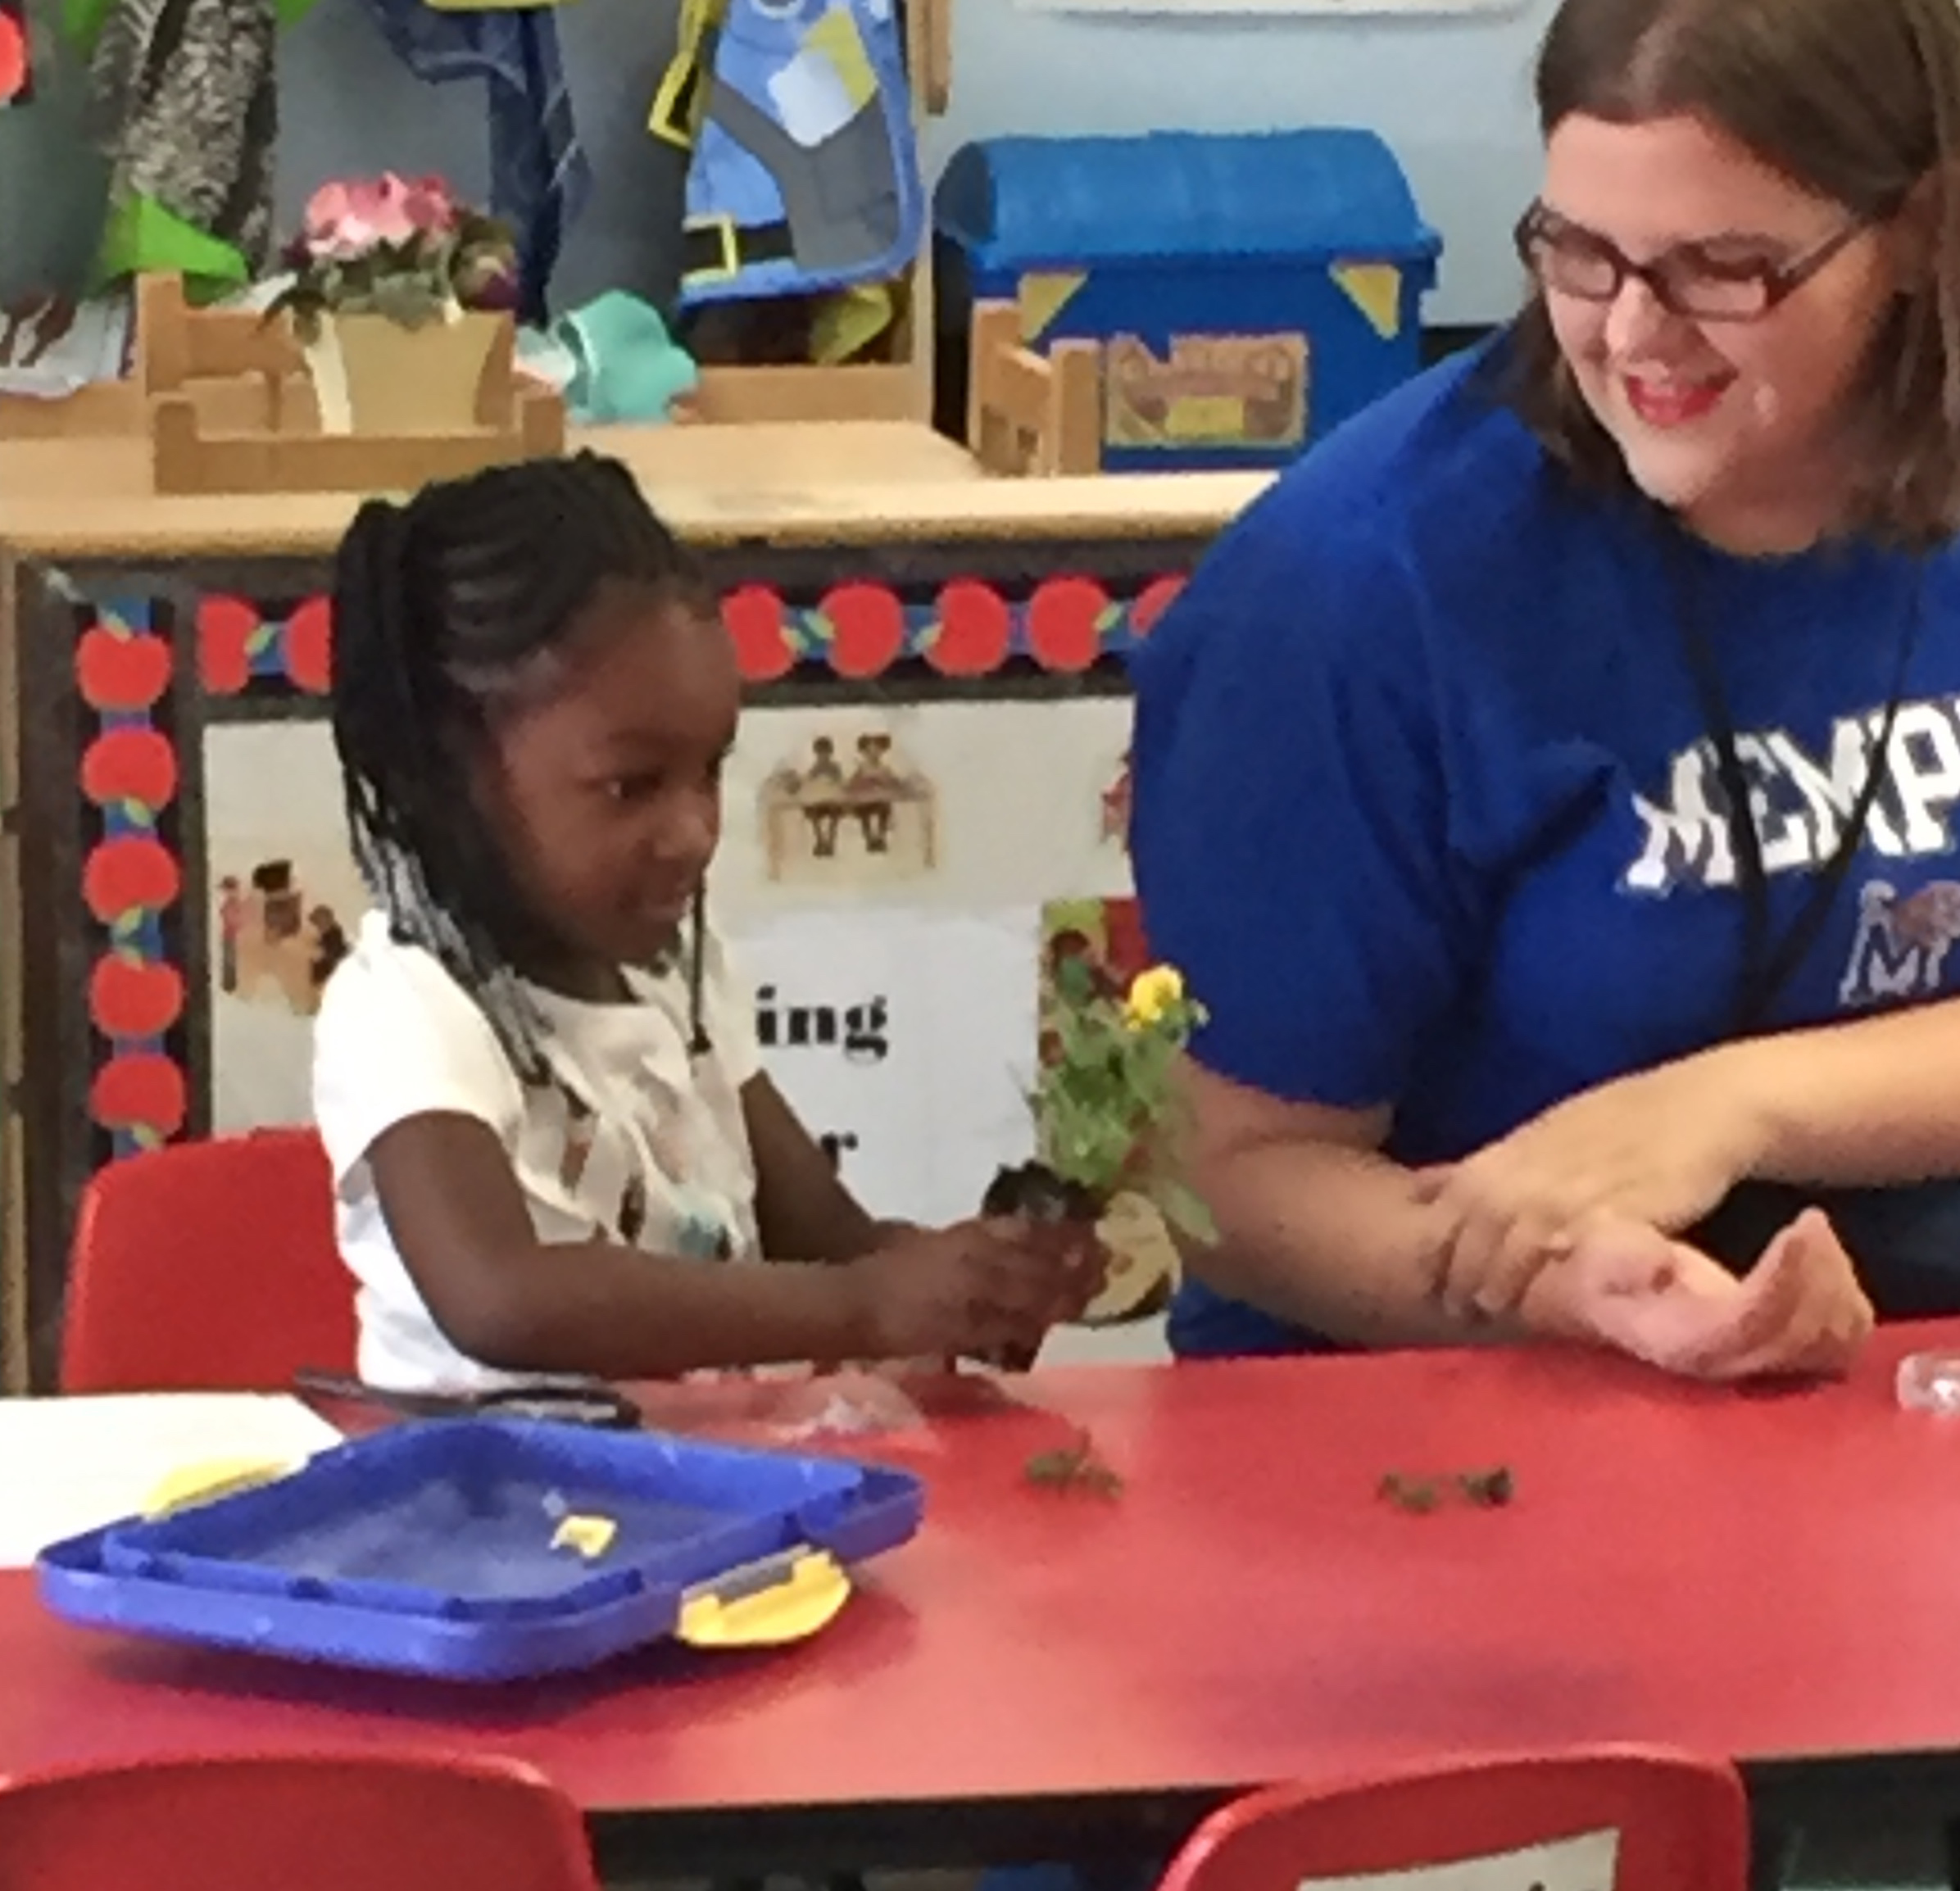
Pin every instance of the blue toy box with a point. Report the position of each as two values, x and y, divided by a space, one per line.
1248 292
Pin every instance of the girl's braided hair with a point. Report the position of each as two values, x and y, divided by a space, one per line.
444 608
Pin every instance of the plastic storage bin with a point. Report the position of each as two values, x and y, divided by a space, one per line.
429 1549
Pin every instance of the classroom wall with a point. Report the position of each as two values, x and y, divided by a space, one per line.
50 185
1451 95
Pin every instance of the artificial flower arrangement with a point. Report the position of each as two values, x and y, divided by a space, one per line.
404 248
1107 1121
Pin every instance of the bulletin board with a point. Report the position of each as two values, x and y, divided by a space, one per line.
927 800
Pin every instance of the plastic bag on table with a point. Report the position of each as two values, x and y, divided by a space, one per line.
858 1402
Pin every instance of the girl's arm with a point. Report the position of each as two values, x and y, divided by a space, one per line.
802 1206
459 1222
805 1209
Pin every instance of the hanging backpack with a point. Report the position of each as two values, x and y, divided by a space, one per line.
805 175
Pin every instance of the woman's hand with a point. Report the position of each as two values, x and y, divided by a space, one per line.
1799 1311
1660 1148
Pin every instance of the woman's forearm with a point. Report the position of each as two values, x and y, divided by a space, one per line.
1332 1238
1316 1227
1873 1101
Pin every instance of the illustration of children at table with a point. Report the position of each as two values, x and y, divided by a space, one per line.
820 793
874 820
274 946
231 923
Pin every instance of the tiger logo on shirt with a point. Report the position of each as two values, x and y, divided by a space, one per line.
1901 945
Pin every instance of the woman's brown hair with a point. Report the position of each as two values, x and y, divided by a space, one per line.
1858 101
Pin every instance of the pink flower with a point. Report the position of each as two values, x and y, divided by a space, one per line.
346 219
329 212
381 209
430 206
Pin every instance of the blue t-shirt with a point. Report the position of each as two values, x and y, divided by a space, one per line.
1426 806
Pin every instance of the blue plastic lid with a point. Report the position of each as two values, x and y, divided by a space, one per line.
1328 192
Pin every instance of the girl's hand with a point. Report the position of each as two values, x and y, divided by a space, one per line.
1077 1251
1799 1311
980 1289
1074 1252
1662 1148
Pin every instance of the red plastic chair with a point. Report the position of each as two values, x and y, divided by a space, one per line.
1682 1823
317 1822
208 1266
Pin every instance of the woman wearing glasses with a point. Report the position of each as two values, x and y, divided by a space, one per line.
1550 786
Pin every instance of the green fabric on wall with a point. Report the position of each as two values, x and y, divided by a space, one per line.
142 238
82 20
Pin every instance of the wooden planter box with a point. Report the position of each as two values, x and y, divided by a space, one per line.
196 447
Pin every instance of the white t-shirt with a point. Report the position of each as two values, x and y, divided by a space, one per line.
661 1163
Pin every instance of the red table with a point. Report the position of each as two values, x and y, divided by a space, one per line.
1774 1576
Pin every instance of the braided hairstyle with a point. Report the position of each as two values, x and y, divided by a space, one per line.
442 609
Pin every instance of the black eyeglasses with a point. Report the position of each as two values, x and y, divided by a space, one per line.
1693 279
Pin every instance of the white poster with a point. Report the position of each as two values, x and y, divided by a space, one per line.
906 1041
1586 1863
285 899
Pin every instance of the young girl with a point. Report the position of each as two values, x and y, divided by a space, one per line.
538 1082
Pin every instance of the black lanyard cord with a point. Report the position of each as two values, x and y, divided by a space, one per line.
1765 972
699 1043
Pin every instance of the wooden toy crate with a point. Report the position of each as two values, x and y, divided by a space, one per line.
180 347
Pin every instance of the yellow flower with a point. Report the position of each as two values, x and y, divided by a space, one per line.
1153 993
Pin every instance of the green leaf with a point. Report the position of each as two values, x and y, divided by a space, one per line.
1105 1097
1074 982
1186 1211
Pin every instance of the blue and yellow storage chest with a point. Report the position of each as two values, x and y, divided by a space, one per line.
1249 292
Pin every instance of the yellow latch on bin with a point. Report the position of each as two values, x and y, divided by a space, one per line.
782 1598
204 1482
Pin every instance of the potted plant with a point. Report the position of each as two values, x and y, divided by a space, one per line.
1107 1124
397 293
